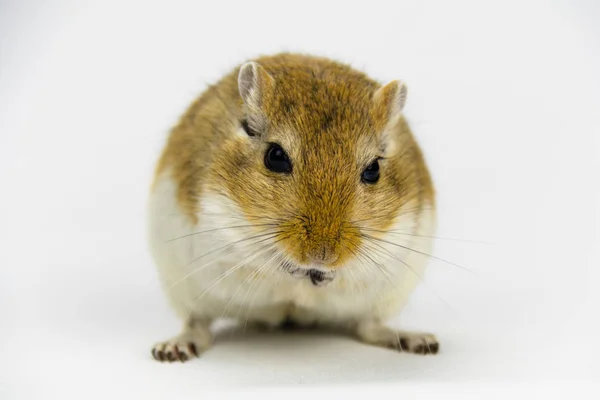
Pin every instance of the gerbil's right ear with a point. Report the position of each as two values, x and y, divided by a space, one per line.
255 85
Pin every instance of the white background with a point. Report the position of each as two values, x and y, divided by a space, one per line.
503 98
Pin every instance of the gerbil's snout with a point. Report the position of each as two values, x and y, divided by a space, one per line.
321 234
323 254
320 242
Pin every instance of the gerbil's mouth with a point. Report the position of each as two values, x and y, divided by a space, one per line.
318 275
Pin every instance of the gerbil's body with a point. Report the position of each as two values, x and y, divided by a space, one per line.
292 189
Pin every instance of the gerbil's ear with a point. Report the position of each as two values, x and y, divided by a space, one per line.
391 99
389 102
254 84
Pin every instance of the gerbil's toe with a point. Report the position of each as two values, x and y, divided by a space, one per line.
403 341
417 343
175 351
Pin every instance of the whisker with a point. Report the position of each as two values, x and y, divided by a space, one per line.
250 276
245 218
196 270
256 272
229 271
373 301
397 232
268 235
382 250
220 229
357 281
203 266
393 256
417 251
249 308
402 212
381 268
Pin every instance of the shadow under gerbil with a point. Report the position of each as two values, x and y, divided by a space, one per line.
252 332
295 355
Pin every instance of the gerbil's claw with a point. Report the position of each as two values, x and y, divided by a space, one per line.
416 343
189 344
403 341
170 351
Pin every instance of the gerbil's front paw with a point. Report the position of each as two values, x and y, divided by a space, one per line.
418 343
410 342
180 348
174 351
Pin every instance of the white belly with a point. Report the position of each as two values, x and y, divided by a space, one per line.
204 274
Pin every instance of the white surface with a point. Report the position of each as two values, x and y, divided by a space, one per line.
503 99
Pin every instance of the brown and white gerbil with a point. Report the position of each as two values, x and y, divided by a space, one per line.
292 189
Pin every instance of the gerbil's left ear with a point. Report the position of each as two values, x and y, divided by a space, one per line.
389 102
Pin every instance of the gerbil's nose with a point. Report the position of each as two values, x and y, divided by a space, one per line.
321 238
324 254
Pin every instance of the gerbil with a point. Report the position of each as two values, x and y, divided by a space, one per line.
292 189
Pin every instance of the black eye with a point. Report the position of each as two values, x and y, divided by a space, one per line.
249 131
276 160
371 173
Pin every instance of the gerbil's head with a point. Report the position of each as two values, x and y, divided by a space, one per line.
321 154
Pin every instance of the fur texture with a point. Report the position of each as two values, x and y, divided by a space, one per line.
232 238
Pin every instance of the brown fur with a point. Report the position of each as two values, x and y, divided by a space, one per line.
324 115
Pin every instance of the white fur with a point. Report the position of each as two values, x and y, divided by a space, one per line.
189 275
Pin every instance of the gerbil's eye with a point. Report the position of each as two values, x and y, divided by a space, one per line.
276 160
249 131
371 173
